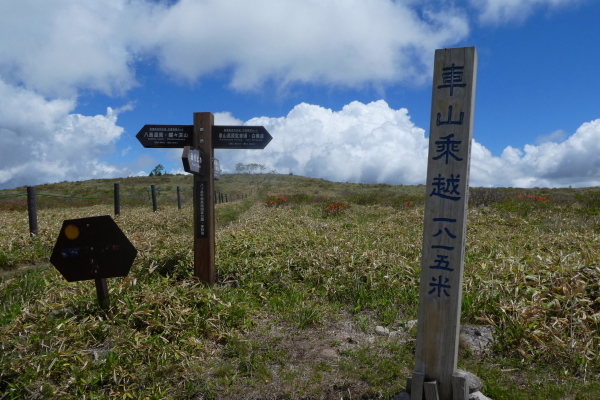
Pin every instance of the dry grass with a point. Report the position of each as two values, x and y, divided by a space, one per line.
299 296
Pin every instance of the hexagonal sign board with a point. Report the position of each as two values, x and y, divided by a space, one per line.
92 248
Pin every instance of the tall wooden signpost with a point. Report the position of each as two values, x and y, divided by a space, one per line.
204 201
199 141
444 228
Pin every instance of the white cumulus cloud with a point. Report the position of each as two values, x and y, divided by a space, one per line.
573 162
366 143
53 50
42 141
343 42
373 143
502 11
59 47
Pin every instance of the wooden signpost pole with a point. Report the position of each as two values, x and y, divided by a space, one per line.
445 225
199 141
204 217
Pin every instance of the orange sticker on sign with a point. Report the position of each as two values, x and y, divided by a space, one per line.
71 232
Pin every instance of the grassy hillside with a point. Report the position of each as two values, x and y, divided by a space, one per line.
307 269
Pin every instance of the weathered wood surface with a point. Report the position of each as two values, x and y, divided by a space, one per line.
154 200
460 387
445 216
32 210
416 386
117 199
204 217
102 293
431 390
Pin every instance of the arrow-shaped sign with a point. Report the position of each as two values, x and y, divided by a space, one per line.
240 137
166 136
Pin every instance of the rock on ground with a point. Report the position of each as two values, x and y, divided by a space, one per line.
472 396
401 396
478 339
475 384
380 330
478 396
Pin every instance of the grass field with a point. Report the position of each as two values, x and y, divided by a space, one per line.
307 269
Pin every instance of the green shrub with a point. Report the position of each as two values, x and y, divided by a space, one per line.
590 201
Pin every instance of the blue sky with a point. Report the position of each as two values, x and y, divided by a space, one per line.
344 86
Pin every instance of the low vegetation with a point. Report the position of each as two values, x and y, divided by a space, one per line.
306 270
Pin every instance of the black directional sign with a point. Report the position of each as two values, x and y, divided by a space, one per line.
192 161
92 248
240 137
166 136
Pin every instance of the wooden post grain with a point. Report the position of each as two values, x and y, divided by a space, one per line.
117 197
416 386
154 202
178 198
444 227
32 210
431 390
460 386
102 293
204 225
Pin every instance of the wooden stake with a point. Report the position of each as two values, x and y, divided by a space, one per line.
32 211
431 390
416 386
117 197
102 292
154 202
460 387
445 216
204 217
